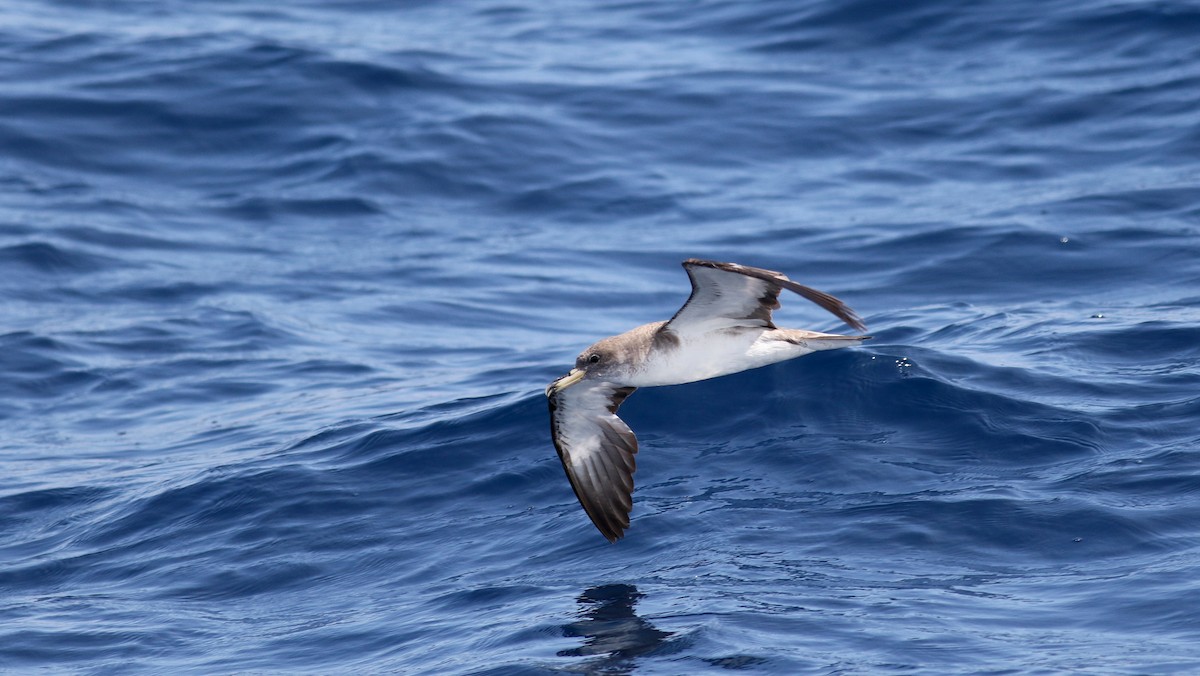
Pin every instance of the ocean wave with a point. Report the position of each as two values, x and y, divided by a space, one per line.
282 289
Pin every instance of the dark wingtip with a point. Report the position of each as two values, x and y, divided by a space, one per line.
828 302
857 324
611 530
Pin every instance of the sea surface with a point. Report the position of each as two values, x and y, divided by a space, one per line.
281 286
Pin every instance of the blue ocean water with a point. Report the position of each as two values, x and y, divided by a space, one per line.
281 287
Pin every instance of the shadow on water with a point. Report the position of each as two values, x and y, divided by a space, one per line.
613 631
615 636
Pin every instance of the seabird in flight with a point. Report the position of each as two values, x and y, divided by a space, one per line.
724 327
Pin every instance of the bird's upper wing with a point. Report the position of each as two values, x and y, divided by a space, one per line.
728 295
596 448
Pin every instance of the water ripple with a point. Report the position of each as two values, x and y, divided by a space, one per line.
281 288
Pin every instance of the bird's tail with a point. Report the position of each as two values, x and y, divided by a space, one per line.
814 340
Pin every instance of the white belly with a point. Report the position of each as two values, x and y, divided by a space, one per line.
719 353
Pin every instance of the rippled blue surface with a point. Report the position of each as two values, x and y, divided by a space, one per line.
280 288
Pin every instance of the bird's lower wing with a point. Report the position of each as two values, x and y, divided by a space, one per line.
597 451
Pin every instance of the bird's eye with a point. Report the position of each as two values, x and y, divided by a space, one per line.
594 358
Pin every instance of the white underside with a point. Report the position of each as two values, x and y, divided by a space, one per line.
723 352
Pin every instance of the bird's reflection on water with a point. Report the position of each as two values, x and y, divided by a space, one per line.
611 629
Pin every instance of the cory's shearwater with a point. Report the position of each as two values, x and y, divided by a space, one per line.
724 327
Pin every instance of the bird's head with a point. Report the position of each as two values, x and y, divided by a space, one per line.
596 362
